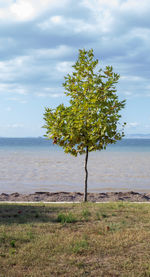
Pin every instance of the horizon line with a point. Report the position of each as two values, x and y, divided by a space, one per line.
138 135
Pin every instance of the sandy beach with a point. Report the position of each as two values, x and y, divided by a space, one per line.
130 196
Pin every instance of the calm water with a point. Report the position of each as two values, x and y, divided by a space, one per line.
34 164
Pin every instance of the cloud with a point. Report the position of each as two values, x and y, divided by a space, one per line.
26 10
55 92
132 124
59 52
16 99
127 93
23 10
132 6
67 24
125 12
51 95
132 78
12 89
39 42
64 67
15 126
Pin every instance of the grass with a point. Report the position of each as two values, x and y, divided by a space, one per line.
111 239
66 218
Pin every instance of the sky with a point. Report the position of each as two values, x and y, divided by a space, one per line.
39 43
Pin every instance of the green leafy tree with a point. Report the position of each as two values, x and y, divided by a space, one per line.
91 120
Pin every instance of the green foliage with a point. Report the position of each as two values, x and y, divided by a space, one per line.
86 213
104 215
91 120
66 218
80 246
12 243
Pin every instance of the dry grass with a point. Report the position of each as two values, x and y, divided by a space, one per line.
111 239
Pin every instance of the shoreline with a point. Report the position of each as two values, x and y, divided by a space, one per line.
63 196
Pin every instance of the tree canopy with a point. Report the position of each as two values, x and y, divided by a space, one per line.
91 119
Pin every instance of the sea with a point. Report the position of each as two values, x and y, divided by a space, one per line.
28 165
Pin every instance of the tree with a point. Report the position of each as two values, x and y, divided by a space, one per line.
91 120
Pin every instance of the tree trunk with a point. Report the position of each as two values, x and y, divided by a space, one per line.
86 175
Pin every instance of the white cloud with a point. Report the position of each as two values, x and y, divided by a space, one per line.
100 5
140 32
53 53
111 15
16 99
132 125
64 67
132 78
135 6
57 95
22 71
12 89
12 68
15 126
25 10
118 5
54 92
103 13
57 19
67 24
45 95
127 93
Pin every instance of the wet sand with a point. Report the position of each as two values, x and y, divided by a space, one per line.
40 196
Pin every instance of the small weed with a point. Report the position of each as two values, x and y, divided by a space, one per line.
98 217
79 246
86 213
114 227
113 214
3 237
100 233
121 205
66 218
12 251
30 235
104 215
12 243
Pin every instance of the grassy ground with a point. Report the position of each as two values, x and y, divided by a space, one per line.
111 239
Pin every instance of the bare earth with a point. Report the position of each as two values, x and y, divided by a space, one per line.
76 197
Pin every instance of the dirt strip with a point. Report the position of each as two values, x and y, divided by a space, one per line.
62 196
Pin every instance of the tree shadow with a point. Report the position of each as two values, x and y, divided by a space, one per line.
24 213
